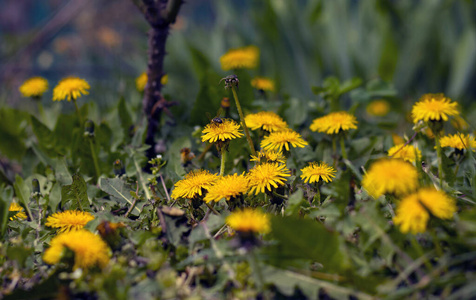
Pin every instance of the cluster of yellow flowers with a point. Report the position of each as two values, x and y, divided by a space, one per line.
69 88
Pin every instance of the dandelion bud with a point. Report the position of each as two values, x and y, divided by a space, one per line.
36 187
89 128
118 168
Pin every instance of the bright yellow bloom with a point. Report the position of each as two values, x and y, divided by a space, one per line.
195 183
89 249
263 83
407 152
335 122
69 220
70 88
224 131
240 58
412 212
266 120
378 108
230 186
434 107
141 81
397 140
459 141
34 87
393 176
318 171
249 220
20 212
279 139
267 176
269 156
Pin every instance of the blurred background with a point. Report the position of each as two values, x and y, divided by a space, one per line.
417 46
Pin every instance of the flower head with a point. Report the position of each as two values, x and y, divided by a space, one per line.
240 58
390 176
89 249
378 108
317 171
230 186
405 152
434 107
267 120
269 156
414 210
69 220
195 183
224 131
249 220
279 139
141 81
267 176
459 141
34 87
334 123
20 211
70 88
263 83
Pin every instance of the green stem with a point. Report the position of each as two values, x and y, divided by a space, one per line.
317 197
334 150
436 241
243 124
211 208
342 147
280 196
141 179
80 118
440 158
421 253
95 158
223 160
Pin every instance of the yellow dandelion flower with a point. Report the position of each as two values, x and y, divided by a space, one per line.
279 139
335 122
459 123
240 58
267 176
20 215
230 186
141 81
318 171
393 176
269 156
195 183
266 120
434 107
263 83
378 108
405 152
459 141
69 220
70 88
89 249
34 87
249 220
224 131
413 211
397 140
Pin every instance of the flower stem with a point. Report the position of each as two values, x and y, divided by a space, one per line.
317 198
420 251
243 124
342 147
223 161
440 158
95 158
80 118
334 150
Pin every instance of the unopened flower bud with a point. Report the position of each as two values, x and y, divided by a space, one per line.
89 128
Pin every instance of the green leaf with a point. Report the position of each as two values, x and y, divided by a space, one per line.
54 197
6 197
61 171
12 129
76 194
45 136
124 116
295 202
117 188
22 191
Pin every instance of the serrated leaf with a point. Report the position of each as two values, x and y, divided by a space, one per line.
117 188
76 194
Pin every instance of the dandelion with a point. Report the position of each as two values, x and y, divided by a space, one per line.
195 183
230 186
20 215
89 249
141 81
405 152
316 172
70 88
266 120
269 156
414 210
334 123
34 87
69 220
393 176
279 139
397 140
263 83
378 108
459 141
266 176
225 131
240 58
434 107
249 221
